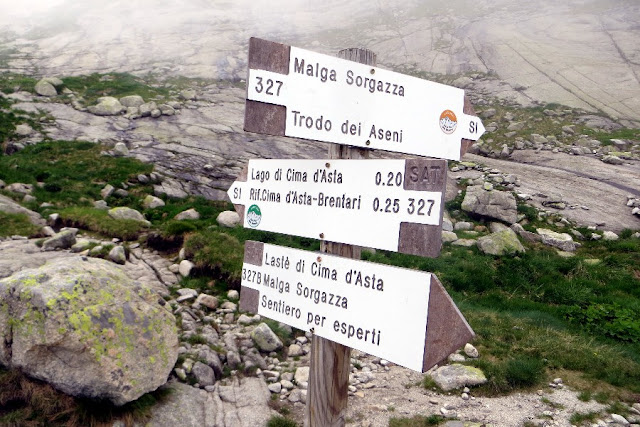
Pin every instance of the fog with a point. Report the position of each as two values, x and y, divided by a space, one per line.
583 53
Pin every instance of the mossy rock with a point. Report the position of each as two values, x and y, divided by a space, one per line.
85 327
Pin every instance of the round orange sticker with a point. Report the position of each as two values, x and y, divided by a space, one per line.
448 122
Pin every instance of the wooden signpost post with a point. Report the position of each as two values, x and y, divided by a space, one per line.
390 204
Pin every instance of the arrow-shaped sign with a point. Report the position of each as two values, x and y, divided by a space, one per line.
335 100
342 300
395 205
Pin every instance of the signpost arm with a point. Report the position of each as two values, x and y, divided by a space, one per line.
330 362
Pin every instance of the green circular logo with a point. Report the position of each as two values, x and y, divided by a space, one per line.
254 216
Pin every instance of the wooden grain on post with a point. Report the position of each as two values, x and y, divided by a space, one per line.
330 362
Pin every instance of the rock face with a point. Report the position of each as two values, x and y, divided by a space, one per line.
455 376
86 328
493 204
500 243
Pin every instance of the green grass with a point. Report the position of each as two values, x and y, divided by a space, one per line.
416 421
16 224
93 86
72 173
584 418
280 421
100 222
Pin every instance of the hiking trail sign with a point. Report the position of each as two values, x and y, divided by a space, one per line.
299 93
395 205
402 315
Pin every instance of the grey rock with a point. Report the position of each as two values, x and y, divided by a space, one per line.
493 204
81 354
152 202
265 338
7 205
188 95
107 191
146 109
81 245
253 358
515 126
143 179
118 255
464 242
295 350
619 419
48 231
188 214
609 235
208 301
233 294
471 351
228 219
500 243
63 240
455 376
203 374
155 113
120 150
185 268
462 226
121 192
233 359
301 375
23 130
45 88
107 106
20 188
166 110
275 388
132 101
101 205
449 236
127 214
562 241
612 160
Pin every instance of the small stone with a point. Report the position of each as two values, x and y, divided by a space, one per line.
295 350
301 375
464 396
609 235
180 373
228 305
557 380
233 294
188 214
185 268
462 226
204 374
152 202
470 351
275 388
265 338
245 320
120 150
118 255
228 219
208 301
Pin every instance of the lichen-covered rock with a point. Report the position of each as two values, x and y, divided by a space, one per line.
495 204
265 338
127 213
118 255
500 243
455 376
85 327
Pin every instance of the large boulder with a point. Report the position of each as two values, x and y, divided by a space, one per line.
46 87
494 204
85 327
107 106
500 243
7 205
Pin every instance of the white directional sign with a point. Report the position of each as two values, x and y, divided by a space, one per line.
335 100
381 310
387 204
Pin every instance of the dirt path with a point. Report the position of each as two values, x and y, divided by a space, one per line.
581 180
